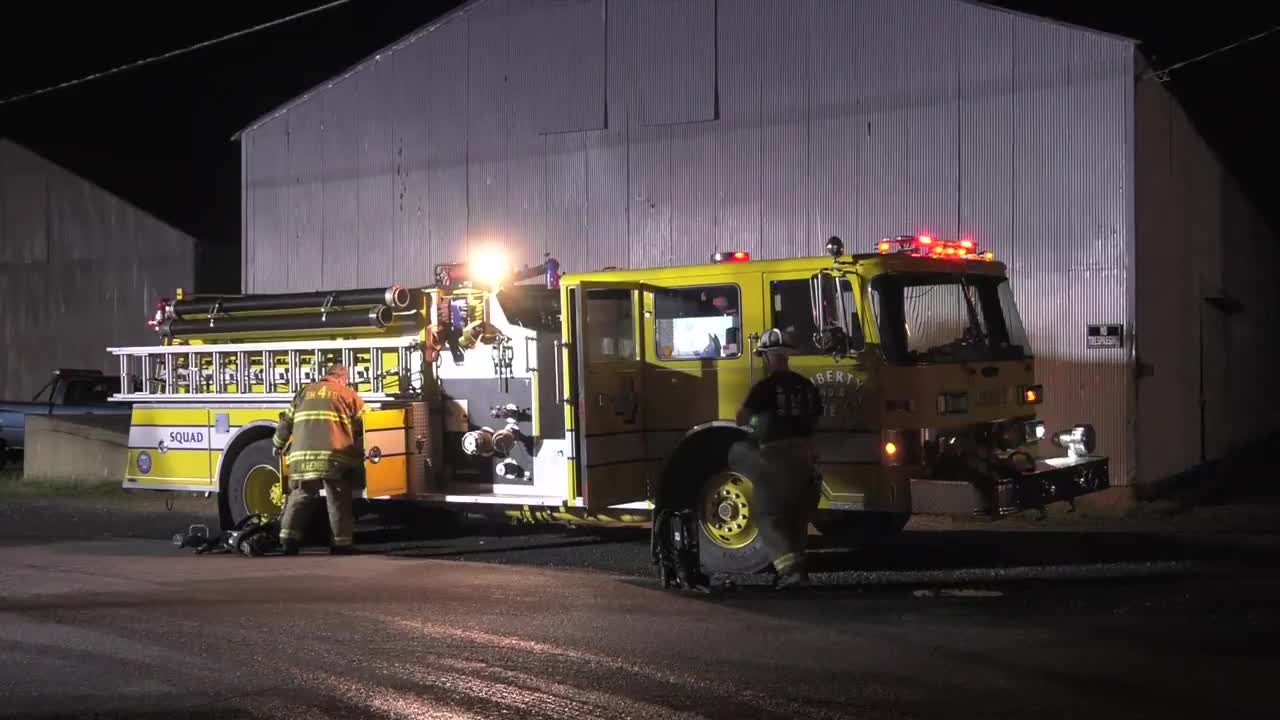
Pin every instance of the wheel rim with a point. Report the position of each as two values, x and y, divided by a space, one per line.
262 492
726 511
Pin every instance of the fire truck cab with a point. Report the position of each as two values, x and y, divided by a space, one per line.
604 396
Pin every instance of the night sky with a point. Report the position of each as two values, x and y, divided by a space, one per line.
160 136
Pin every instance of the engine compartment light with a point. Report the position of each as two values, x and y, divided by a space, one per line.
1031 395
1079 440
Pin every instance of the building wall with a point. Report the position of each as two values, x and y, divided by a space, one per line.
80 270
652 132
1198 237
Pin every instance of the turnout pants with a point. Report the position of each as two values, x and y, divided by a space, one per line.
338 484
785 488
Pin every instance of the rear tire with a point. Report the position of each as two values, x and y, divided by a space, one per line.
860 528
252 485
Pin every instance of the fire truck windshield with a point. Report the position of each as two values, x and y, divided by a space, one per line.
927 318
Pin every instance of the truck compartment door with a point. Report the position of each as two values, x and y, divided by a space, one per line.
606 414
386 444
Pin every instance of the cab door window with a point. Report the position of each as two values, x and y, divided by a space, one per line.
793 312
698 322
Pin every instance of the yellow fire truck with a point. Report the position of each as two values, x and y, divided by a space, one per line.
610 396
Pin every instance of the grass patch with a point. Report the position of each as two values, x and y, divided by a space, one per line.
14 485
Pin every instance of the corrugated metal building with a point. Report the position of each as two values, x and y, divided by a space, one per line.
652 132
80 270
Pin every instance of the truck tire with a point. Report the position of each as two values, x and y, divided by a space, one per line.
728 540
252 485
860 528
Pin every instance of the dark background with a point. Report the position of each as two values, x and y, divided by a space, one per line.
160 136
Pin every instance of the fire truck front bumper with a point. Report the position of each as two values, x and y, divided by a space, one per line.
1053 480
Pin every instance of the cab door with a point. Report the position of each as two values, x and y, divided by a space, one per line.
604 411
848 435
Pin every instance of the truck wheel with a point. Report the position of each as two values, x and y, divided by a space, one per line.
729 541
254 483
860 528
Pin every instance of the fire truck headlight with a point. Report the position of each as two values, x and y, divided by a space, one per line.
488 268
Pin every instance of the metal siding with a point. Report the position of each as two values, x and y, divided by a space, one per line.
524 234
608 208
102 266
784 96
411 198
341 196
1042 147
739 146
674 62
833 178
566 183
487 150
608 205
693 191
1097 112
375 261
306 194
881 32
448 139
569 68
23 199
933 117
986 122
268 170
650 200
1168 406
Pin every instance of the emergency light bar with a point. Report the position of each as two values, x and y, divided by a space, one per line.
731 256
929 246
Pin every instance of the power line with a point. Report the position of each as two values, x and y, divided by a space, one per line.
171 54
1163 75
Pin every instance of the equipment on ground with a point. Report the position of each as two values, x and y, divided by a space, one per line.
253 536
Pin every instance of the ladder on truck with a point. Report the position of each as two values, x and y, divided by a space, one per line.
380 369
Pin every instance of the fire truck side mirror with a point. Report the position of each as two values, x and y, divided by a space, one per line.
834 329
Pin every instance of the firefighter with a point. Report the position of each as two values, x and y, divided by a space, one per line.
320 421
782 410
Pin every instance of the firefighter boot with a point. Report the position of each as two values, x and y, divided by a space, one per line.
791 571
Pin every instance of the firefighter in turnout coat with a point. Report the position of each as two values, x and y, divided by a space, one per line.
782 410
320 423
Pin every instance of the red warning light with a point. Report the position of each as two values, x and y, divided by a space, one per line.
925 240
966 244
732 256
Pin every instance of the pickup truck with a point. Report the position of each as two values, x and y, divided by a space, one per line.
70 392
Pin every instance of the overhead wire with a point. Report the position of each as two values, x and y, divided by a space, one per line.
171 54
1163 74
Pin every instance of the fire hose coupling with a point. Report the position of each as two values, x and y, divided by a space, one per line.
1079 441
486 442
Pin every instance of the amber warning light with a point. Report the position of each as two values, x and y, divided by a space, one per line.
929 246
